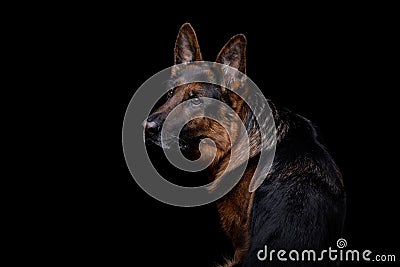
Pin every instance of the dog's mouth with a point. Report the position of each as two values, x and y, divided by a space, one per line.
157 141
167 143
189 148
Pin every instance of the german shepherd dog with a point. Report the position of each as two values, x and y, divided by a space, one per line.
300 204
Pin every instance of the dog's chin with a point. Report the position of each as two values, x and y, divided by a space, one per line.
157 142
164 145
183 146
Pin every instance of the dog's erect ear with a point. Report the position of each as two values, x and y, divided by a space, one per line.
186 47
233 53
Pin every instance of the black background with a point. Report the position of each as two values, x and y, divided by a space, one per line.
334 68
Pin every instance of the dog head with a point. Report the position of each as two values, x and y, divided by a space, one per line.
187 50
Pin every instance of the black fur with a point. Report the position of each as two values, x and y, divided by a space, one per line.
301 204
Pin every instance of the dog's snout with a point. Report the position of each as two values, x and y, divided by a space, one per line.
150 125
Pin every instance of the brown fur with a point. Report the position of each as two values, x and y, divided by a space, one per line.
234 210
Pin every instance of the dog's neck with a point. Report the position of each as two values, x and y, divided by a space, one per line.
256 141
235 207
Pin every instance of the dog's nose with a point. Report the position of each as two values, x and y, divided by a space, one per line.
150 126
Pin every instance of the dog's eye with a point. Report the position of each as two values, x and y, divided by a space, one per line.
170 93
196 101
